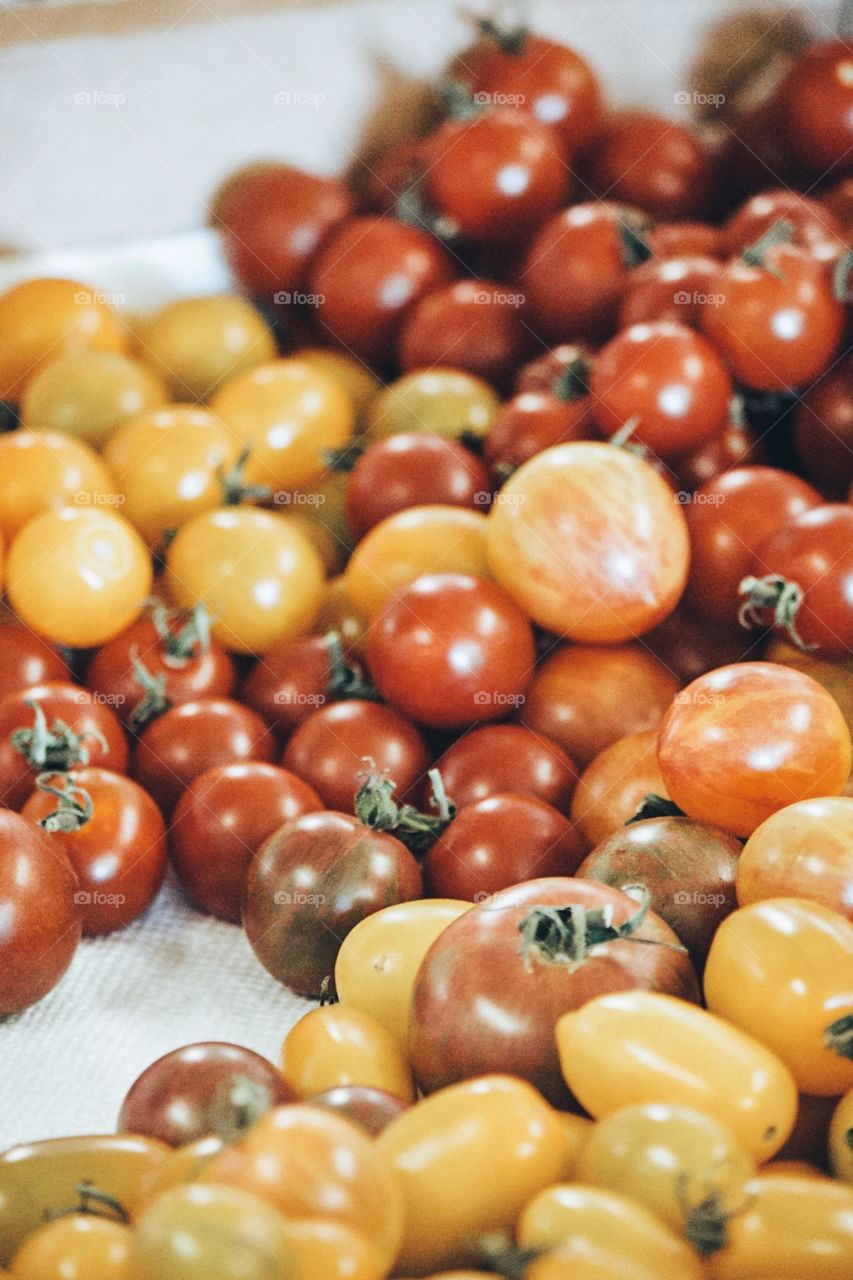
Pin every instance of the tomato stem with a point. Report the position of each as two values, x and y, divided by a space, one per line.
345 681
755 255
456 99
841 277
777 595
237 1105
506 1259
572 382
57 747
154 700
376 807
655 806
838 1036
180 644
633 242
74 808
706 1223
506 26
234 488
344 458
565 935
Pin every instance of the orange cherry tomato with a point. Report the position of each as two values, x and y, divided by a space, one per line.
336 1045
89 394
198 343
802 851
41 470
77 1247
612 788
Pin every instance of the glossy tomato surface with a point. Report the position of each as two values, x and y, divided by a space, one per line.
507 757
803 851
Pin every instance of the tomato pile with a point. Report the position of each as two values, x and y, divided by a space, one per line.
465 611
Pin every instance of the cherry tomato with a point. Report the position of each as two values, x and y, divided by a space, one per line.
841 1138
565 1263
420 540
258 575
290 682
77 1247
468 1159
532 421
612 788
801 581
41 917
507 757
222 819
54 726
813 225
688 867
666 378
498 842
836 676
677 1161
668 289
542 77
777 968
173 649
628 555
307 1163
585 698
803 851
197 343
329 751
563 371
189 739
41 470
168 466
688 647
371 271
735 446
310 883
494 983
318 1247
746 740
440 402
814 108
273 220
684 239
27 660
450 649
409 470
78 575
777 324
89 394
577 268
728 519
640 1046
359 383
474 325
118 851
823 430
201 1089
650 162
43 319
334 1046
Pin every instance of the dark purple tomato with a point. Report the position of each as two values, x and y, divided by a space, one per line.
373 1109
507 757
532 421
651 162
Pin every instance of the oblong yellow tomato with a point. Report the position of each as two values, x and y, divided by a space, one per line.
39 1179
78 575
258 575
44 318
308 1163
76 1247
577 1130
168 466
41 470
359 383
379 959
589 540
841 1139
783 970
183 1164
790 1229
419 540
90 393
802 851
288 416
338 1045
468 1159
320 1248
675 1160
566 1263
641 1046
196 343
443 402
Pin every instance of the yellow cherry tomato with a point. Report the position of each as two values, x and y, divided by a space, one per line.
77 1247
789 1229
325 500
577 1131
419 540
353 377
78 575
338 613
198 343
258 574
288 416
336 1045
329 1250
442 402
42 319
309 1162
674 1160
641 1046
565 1263
90 393
42 470
183 1164
591 1218
783 970
785 1168
40 1179
379 959
841 1138
168 466
331 553
468 1158
802 851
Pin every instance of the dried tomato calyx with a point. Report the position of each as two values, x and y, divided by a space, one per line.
376 807
775 595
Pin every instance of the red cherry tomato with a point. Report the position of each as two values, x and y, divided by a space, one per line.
41 920
688 647
65 726
331 749
684 240
666 378
737 445
563 371
670 289
187 740
373 1109
823 430
27 660
498 842
386 176
451 649
411 469
118 852
274 220
814 226
473 325
651 162
371 272
507 757
532 421
290 682
815 108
